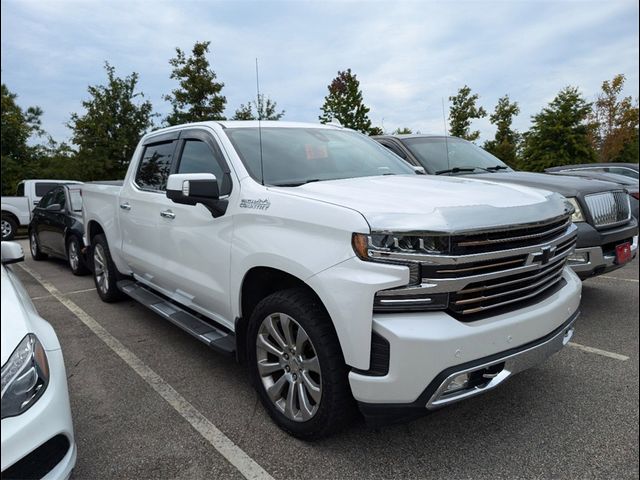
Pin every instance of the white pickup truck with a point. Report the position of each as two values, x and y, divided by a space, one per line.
333 270
16 211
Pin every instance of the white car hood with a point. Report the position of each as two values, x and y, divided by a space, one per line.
15 321
442 204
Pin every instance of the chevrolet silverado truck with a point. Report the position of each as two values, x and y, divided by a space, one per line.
607 231
16 210
340 277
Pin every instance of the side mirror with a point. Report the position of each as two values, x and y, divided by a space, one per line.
419 170
11 253
194 188
54 207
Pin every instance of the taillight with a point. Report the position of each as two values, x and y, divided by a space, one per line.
635 195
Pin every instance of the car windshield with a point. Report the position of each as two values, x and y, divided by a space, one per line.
439 154
294 156
75 195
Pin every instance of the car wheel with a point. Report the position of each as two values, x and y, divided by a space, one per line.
74 257
105 273
9 227
297 366
34 247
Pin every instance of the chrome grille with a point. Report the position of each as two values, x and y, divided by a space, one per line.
609 208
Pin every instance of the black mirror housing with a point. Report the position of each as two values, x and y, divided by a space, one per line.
194 188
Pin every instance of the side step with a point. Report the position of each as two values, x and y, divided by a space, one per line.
216 338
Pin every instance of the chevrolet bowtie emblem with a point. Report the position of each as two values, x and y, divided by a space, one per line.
546 254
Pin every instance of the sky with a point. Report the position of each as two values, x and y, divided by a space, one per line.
409 56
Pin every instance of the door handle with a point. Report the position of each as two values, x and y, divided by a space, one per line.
125 206
168 214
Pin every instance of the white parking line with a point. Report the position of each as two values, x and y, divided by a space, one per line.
597 351
68 293
248 467
633 280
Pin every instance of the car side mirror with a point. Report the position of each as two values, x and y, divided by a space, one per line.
11 253
54 207
194 188
419 170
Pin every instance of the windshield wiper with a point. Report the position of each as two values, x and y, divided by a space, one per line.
496 168
296 184
455 170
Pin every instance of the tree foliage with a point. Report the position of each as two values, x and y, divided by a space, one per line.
261 109
462 111
615 123
198 97
115 118
402 131
505 143
344 103
17 127
559 134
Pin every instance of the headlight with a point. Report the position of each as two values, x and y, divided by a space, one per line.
25 377
396 249
577 213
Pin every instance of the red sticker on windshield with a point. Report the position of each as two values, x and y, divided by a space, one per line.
315 151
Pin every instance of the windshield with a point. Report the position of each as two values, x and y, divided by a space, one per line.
294 156
431 152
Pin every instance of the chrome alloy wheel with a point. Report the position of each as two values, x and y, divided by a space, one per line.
74 256
288 367
6 228
101 271
33 244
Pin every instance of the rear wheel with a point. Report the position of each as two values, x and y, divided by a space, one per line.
9 227
105 273
74 257
34 247
297 366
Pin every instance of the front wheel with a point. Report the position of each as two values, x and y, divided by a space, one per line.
74 257
105 273
297 366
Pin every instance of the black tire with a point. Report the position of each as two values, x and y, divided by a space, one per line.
336 407
9 227
108 272
34 247
75 257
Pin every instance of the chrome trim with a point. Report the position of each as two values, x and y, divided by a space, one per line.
515 239
513 364
607 208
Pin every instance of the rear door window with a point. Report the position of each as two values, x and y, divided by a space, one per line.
154 167
43 187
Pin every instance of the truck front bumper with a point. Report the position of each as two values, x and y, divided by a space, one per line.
432 355
595 251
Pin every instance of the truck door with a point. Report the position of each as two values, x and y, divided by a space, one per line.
139 207
195 246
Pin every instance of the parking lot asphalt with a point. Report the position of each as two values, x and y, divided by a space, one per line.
575 416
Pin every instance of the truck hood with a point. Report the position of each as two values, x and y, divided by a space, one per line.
564 185
440 204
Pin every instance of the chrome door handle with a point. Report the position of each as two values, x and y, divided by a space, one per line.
167 214
125 206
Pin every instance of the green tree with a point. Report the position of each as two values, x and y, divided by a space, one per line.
506 140
376 131
261 109
462 111
402 131
17 127
615 123
198 97
344 103
106 134
560 133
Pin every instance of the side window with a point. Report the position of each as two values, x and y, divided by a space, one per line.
59 197
20 190
198 157
47 199
154 166
394 149
43 188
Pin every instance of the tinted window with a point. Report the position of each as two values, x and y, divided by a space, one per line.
394 149
59 197
47 199
154 166
75 196
292 156
197 157
43 188
20 190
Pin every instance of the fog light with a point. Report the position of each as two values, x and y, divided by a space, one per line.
458 383
579 257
